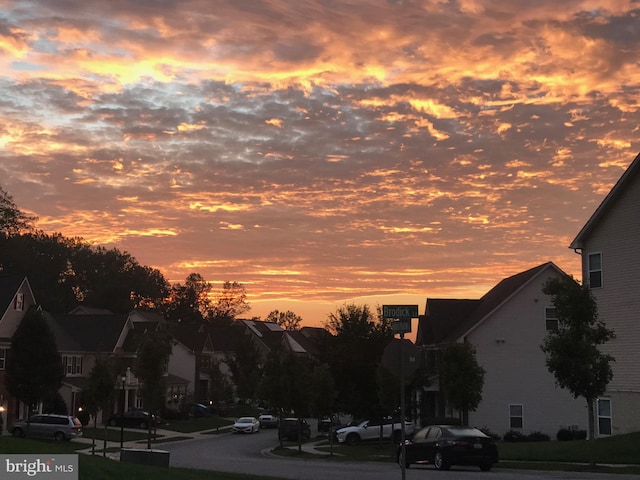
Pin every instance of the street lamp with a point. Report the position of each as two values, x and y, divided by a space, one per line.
124 379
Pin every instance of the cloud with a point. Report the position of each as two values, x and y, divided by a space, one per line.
320 154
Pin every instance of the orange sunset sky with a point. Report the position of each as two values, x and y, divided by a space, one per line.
321 152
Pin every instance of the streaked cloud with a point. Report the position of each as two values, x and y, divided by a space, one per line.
317 152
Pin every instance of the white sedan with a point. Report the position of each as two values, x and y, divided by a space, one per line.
246 425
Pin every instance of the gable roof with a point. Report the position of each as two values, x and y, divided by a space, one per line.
450 320
9 285
442 316
86 333
622 184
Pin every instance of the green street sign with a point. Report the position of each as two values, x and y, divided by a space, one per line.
400 311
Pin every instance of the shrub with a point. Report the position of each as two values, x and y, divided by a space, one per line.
538 437
514 436
564 435
567 434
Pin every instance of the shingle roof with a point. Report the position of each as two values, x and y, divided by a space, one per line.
191 335
9 285
449 320
86 333
621 185
442 316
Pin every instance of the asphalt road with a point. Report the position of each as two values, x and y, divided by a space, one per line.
249 454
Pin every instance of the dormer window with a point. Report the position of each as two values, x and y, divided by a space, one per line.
18 301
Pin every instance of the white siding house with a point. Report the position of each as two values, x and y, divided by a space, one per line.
609 244
506 327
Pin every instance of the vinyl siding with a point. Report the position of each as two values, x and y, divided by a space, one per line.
617 237
508 348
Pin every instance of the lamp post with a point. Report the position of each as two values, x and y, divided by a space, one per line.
124 379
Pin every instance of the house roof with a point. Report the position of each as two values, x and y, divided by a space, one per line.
448 320
9 285
136 333
442 316
86 333
225 338
622 184
191 335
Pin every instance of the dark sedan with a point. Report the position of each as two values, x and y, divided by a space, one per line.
445 445
132 418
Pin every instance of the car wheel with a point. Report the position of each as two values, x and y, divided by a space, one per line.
485 467
17 432
59 437
113 423
143 425
439 462
353 439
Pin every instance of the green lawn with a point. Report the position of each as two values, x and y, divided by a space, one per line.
617 451
99 468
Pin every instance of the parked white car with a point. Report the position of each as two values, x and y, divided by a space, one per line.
370 430
268 420
246 425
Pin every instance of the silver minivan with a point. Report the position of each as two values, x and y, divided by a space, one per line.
55 427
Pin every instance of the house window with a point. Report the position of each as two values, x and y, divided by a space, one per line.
3 358
516 416
604 416
551 319
18 301
595 270
72 364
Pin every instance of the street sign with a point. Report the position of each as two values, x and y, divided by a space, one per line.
400 311
402 325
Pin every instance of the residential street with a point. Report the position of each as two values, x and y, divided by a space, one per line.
249 454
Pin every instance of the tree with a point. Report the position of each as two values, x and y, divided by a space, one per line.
461 378
572 351
323 391
287 320
246 368
189 303
220 388
99 393
12 220
153 355
353 354
65 272
229 303
34 369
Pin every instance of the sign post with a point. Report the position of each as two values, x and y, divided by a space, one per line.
401 315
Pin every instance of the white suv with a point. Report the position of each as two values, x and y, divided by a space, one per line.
56 427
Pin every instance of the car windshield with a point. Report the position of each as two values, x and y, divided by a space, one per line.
244 420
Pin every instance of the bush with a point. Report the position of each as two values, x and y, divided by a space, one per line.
538 437
566 434
514 436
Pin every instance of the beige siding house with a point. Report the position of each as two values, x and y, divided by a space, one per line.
506 326
609 245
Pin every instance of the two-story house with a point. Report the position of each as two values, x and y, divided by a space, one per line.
608 244
506 326
16 297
